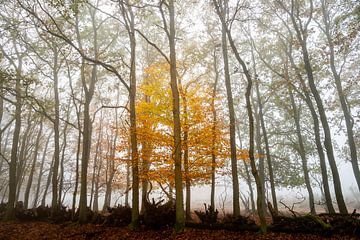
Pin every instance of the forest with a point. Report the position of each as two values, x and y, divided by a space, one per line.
181 119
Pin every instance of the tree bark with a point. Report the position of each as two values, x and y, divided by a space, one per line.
260 197
54 201
31 174
179 206
10 210
345 107
302 38
302 152
234 173
214 124
41 173
48 182
316 128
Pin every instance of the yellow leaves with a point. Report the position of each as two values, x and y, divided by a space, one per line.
243 154
206 138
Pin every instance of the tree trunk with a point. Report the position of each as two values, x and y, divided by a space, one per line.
302 152
96 167
259 149
234 173
22 159
87 130
10 210
318 143
48 182
129 19
301 37
267 149
127 189
179 205
41 173
186 161
213 141
345 107
259 186
54 202
61 174
31 174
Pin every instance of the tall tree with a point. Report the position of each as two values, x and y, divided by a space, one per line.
261 208
129 19
222 8
301 29
345 107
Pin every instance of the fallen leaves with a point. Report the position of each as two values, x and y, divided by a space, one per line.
44 230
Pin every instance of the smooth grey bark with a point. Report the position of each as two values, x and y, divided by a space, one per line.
146 152
22 160
213 129
186 159
230 103
129 19
345 106
10 210
316 127
48 182
260 152
61 173
87 127
94 194
267 148
261 208
301 36
127 189
56 122
302 152
179 205
32 170
110 170
247 172
41 173
97 180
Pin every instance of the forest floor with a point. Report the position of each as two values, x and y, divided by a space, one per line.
45 230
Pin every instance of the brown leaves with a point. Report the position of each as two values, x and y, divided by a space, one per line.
43 230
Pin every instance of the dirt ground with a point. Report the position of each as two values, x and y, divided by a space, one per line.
43 230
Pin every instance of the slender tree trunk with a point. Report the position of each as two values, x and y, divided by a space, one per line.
179 205
127 189
326 128
302 38
22 162
267 149
186 161
10 210
31 174
54 201
37 192
77 170
48 182
214 134
247 172
96 161
259 149
87 130
234 173
97 181
318 143
129 19
345 107
302 152
61 174
259 186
